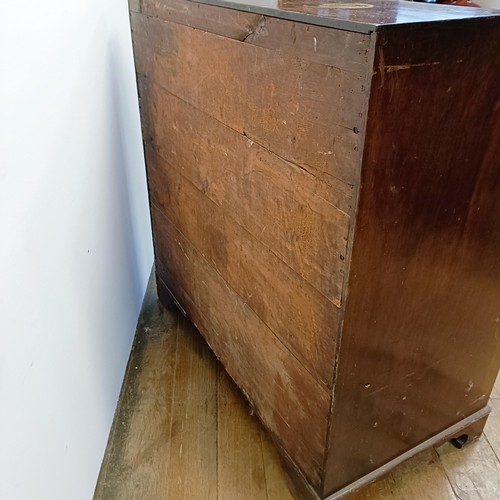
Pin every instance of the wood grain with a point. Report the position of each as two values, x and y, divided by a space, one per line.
295 312
288 399
169 372
345 50
255 131
225 22
289 210
138 449
193 441
166 424
421 477
341 49
169 123
277 485
250 89
239 477
423 303
137 456
474 472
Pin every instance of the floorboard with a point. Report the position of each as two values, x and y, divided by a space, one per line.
182 430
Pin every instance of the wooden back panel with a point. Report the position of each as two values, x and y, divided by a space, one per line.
252 134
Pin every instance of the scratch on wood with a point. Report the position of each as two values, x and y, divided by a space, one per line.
399 67
380 389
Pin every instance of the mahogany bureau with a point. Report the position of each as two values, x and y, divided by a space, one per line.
324 182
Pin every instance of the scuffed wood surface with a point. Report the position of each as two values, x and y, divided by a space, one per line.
291 403
277 485
153 443
474 473
225 22
340 49
258 128
421 477
182 430
307 113
170 124
191 441
420 347
286 208
295 312
250 237
244 475
139 450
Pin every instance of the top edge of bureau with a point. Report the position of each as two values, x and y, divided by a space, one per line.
362 17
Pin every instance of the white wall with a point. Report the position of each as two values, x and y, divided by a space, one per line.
488 4
75 249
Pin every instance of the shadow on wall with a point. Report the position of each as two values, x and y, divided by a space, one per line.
129 165
110 227
488 4
76 246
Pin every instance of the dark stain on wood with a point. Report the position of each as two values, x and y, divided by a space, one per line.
303 111
285 395
420 346
285 302
289 210
357 330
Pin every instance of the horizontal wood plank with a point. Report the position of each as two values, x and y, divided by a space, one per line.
303 319
288 399
283 206
177 129
341 49
251 89
226 22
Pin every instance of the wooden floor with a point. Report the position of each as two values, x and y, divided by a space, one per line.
183 431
